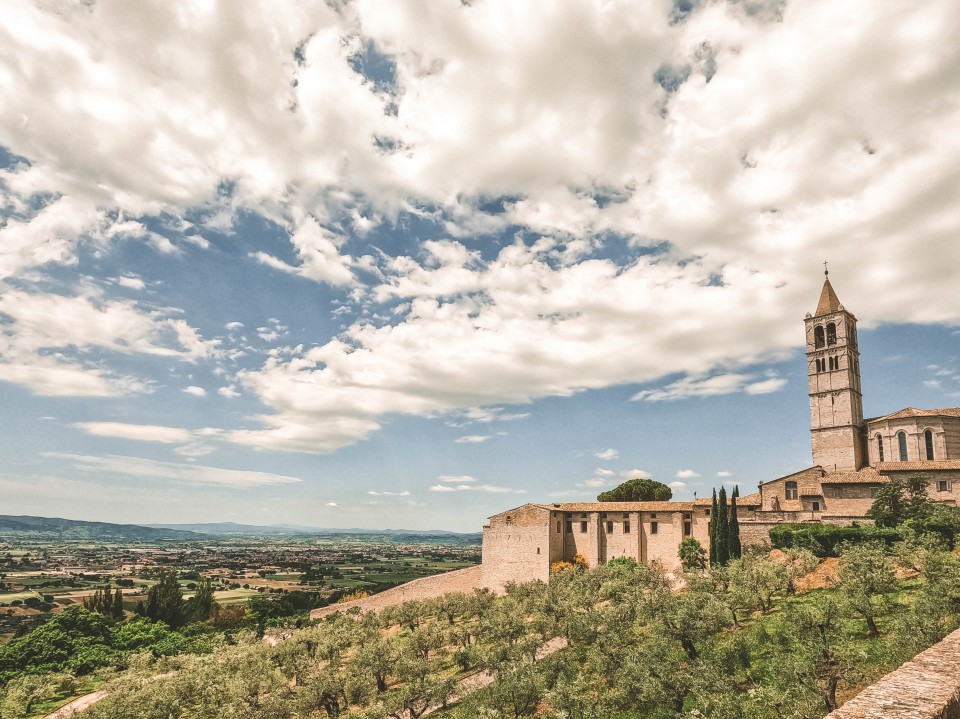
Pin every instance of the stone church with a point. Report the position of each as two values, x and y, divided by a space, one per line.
852 457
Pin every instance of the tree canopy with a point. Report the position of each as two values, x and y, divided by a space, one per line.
641 489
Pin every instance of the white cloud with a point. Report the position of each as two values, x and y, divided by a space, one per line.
184 473
636 474
457 479
750 179
195 391
133 283
138 432
607 454
724 473
332 504
687 474
600 472
473 438
382 493
598 482
721 384
677 485
228 392
233 326
475 488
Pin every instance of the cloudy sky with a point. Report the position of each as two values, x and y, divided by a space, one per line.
410 263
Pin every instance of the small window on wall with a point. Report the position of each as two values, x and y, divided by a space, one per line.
558 527
583 527
626 527
928 443
609 527
816 506
538 550
790 490
569 527
653 527
706 512
943 485
687 527
902 445
879 447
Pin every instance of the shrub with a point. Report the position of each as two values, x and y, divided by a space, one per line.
824 539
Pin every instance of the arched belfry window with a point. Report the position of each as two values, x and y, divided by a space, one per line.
818 340
902 445
879 448
928 443
831 334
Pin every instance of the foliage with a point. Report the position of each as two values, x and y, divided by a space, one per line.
825 540
902 498
724 528
104 602
165 601
693 557
641 489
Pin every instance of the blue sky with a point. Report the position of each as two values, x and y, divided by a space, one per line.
409 264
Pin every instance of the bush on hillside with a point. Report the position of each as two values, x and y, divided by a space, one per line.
824 539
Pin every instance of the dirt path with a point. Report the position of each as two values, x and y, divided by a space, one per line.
78 705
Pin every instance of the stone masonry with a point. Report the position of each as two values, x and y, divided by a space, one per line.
926 687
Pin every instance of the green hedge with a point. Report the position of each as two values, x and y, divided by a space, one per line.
823 539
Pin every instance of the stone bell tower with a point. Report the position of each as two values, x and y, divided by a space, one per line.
833 368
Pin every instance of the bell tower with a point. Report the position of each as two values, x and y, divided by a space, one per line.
833 369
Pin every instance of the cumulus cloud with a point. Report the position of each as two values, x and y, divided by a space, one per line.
195 391
712 386
687 474
457 479
724 473
677 484
598 132
636 474
138 432
473 438
184 473
607 454
475 488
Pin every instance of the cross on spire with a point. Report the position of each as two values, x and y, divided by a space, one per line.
826 272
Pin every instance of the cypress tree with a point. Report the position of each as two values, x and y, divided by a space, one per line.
713 530
723 528
117 604
736 549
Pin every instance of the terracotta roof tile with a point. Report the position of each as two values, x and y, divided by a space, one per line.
914 412
808 473
867 475
749 500
931 466
621 506
828 300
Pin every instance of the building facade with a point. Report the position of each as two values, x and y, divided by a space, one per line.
852 458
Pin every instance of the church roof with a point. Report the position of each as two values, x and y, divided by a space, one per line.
621 506
828 300
867 475
914 412
939 464
747 500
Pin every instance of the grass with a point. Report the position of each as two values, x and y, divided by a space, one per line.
10 597
51 705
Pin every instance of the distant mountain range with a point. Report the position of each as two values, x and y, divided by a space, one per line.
227 528
106 531
55 527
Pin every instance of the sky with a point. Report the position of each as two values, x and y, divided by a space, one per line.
413 263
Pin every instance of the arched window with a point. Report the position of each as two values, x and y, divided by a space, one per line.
880 447
928 441
831 334
902 444
818 336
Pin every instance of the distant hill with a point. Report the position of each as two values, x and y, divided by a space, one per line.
232 528
58 528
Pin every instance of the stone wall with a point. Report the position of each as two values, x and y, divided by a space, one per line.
516 546
459 580
927 687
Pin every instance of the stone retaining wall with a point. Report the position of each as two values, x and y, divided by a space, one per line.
459 580
926 687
